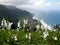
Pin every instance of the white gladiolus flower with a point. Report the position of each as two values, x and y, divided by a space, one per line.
45 34
25 21
15 37
42 27
55 38
54 30
29 35
18 26
26 36
37 27
9 25
7 39
3 24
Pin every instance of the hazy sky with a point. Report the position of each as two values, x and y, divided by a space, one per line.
33 5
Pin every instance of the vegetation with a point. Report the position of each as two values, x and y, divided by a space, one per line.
37 38
57 26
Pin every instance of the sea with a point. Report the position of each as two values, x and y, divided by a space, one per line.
49 17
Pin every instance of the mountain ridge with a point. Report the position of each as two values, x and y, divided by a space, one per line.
13 14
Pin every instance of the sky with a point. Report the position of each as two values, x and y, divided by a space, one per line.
33 5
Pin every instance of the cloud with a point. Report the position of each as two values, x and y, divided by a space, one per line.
3 0
32 5
35 5
13 2
24 3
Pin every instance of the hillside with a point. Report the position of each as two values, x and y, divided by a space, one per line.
13 14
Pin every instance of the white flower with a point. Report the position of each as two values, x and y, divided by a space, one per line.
15 37
42 27
9 25
4 23
19 24
54 30
25 21
26 36
55 38
29 35
37 26
45 34
7 39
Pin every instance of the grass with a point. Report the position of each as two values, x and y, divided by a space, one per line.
36 38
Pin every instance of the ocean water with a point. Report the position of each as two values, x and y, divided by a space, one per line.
50 17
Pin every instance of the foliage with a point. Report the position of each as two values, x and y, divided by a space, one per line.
6 38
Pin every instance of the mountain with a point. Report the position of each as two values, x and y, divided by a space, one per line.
13 14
